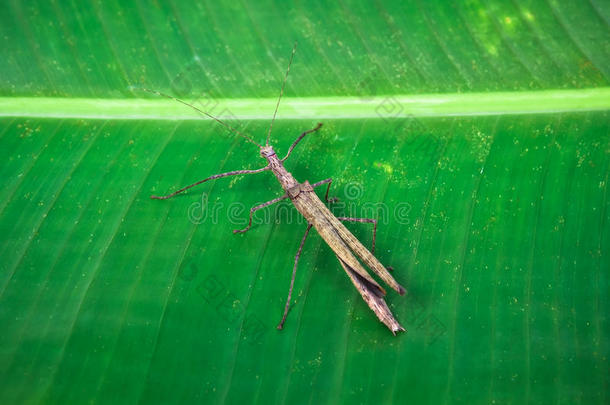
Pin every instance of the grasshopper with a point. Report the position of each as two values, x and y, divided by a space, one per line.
343 243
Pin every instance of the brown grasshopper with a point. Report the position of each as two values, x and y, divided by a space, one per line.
345 245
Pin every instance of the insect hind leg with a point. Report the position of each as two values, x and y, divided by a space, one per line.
294 272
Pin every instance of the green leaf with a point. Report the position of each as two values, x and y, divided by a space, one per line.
477 133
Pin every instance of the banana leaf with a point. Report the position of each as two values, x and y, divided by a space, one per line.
477 133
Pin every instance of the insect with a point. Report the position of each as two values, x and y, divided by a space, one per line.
345 245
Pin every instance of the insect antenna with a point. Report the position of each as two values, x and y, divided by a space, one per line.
294 49
229 127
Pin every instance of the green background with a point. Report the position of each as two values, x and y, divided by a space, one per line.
497 224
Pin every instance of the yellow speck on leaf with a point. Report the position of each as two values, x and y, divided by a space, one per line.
385 166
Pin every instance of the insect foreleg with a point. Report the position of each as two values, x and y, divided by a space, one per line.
216 176
294 144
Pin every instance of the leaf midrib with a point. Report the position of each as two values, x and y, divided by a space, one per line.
355 107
